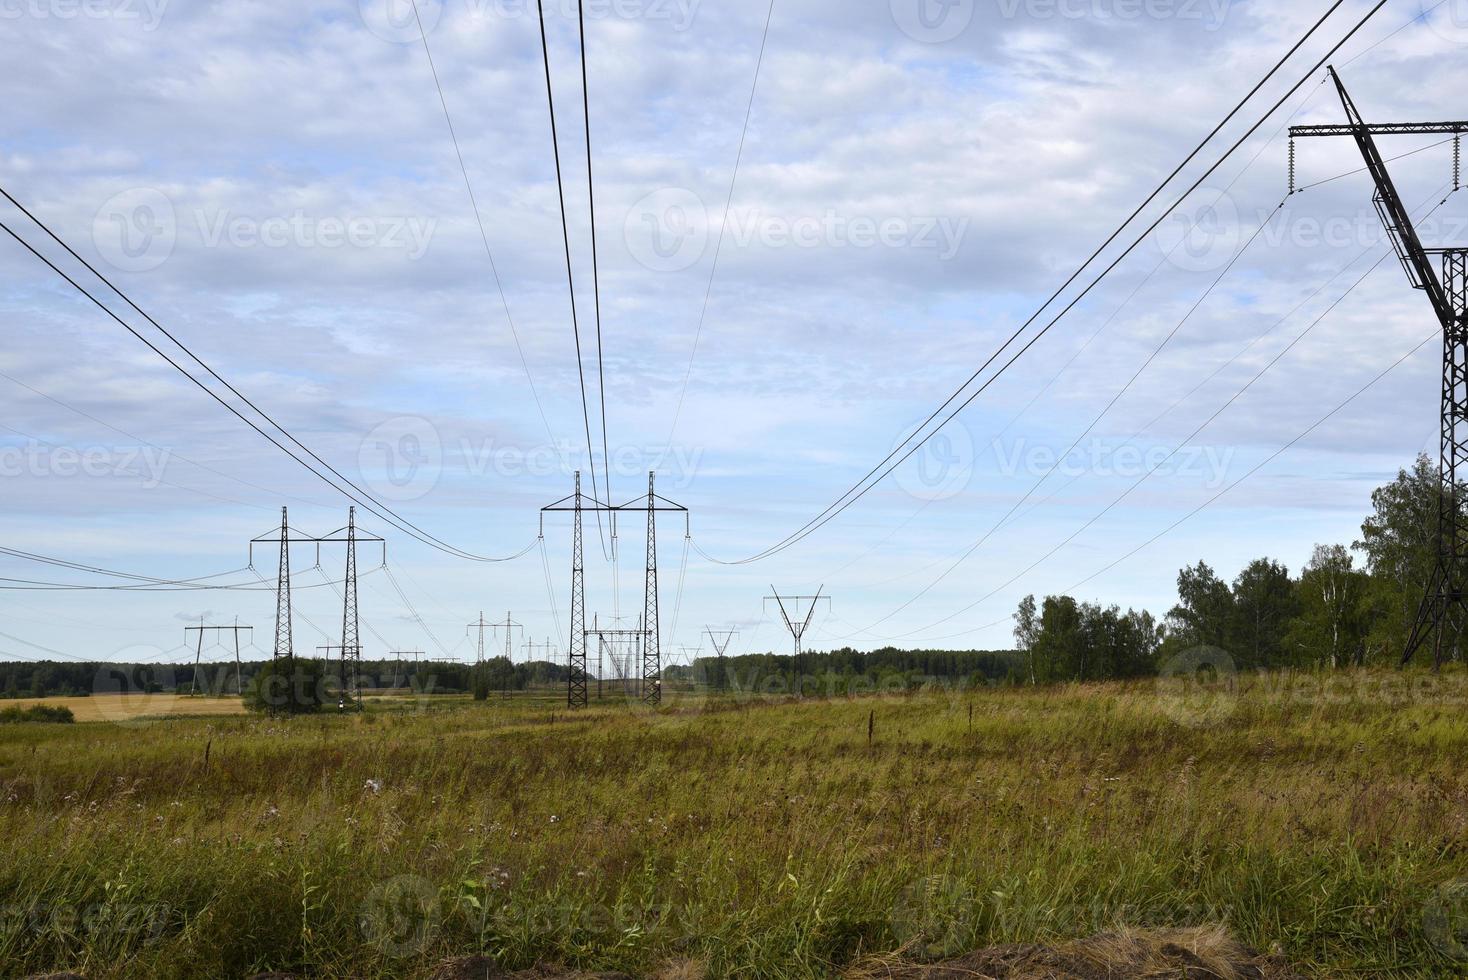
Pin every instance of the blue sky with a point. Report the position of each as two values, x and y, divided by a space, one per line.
277 186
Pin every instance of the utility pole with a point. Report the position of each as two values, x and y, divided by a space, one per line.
576 675
1445 593
235 629
481 625
721 640
790 612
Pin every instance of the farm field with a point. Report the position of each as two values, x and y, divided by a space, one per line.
1321 820
130 707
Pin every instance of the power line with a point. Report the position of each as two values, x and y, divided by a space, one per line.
601 371
862 486
1155 467
570 276
375 507
479 220
723 224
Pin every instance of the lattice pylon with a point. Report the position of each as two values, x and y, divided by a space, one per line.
351 622
652 659
284 648
1445 590
576 657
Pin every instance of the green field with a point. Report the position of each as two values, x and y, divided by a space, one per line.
1324 819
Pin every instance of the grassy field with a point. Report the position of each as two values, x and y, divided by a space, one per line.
131 707
1323 820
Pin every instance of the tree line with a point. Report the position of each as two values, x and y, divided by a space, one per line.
1348 606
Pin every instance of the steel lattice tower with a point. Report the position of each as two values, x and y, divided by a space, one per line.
576 659
351 623
652 659
283 646
1445 592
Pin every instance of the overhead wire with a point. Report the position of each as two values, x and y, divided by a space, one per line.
723 226
570 275
479 220
360 497
863 486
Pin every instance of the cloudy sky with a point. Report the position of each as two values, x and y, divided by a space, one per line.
276 185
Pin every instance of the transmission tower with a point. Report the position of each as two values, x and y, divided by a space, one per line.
351 623
199 650
790 613
509 626
650 682
721 640
480 625
284 648
1445 589
652 654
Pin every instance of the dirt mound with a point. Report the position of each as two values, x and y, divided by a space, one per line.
484 968
1173 954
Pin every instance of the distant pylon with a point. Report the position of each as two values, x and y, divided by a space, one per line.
721 640
283 645
790 613
576 657
652 659
351 623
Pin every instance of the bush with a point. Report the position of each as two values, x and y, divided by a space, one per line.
299 686
52 714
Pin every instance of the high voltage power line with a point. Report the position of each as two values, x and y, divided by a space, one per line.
570 275
723 225
882 469
356 494
479 220
1150 470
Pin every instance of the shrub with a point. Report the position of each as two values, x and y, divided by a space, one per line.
46 713
299 686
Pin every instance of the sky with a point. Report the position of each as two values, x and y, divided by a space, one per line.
278 187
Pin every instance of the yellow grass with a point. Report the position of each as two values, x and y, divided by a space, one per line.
126 707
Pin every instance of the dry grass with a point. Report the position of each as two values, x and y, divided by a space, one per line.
134 707
753 838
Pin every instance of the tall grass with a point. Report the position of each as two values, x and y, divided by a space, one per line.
764 838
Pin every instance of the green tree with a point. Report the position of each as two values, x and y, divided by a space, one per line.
1399 540
1204 614
1330 630
298 686
1027 631
1263 605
